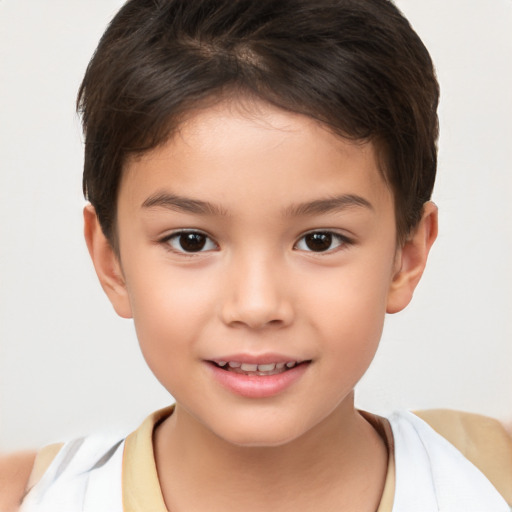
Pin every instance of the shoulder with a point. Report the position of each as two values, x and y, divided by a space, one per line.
15 471
482 440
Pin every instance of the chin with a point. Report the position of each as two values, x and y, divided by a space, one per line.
260 434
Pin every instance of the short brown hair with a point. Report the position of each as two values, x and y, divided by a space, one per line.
355 65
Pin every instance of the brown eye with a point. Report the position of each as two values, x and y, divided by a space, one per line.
321 241
190 241
318 242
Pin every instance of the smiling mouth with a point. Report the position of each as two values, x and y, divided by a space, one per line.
257 369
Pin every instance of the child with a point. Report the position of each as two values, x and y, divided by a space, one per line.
260 176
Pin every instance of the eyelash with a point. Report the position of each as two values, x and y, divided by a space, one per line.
332 237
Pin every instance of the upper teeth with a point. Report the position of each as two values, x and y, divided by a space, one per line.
247 367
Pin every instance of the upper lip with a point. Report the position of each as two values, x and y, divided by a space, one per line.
258 359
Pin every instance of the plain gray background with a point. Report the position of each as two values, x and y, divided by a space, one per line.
68 365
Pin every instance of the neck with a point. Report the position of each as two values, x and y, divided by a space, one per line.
341 461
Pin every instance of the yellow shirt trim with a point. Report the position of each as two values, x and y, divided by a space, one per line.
141 487
482 440
43 460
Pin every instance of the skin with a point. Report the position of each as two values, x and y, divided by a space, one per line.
257 288
15 470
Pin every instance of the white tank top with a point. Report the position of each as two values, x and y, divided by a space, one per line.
85 476
431 475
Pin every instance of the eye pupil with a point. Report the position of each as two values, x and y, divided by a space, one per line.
192 242
318 242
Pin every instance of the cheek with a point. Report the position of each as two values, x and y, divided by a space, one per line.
355 294
168 309
349 308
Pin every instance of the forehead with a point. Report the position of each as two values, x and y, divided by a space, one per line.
235 151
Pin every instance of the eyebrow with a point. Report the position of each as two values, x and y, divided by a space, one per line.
328 205
183 204
198 207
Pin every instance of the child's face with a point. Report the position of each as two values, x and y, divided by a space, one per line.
247 280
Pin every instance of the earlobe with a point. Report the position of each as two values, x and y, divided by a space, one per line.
411 260
106 263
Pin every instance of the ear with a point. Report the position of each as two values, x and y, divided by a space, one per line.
106 263
411 259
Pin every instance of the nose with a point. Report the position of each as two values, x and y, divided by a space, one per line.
257 294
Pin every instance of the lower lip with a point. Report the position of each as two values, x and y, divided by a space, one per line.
258 386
